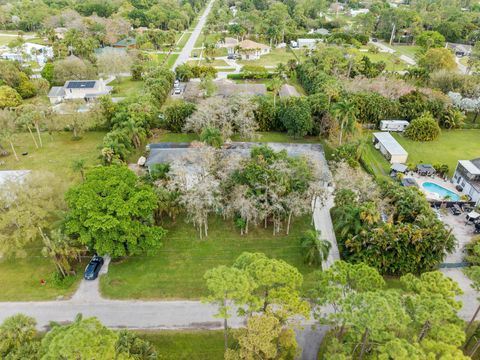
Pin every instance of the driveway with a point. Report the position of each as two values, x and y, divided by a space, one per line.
187 49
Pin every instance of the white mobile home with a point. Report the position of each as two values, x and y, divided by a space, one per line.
389 147
467 176
393 125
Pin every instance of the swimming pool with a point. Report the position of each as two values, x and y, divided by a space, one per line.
440 191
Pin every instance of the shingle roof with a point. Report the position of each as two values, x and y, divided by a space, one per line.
252 45
288 90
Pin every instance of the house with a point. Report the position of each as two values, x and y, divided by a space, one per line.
78 89
322 31
288 91
129 43
29 52
459 49
389 147
229 43
251 50
467 176
307 43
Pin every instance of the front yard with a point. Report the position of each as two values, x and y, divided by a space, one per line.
176 272
275 57
20 279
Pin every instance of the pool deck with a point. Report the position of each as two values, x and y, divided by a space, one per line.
436 180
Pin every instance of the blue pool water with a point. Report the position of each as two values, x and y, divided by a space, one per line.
440 190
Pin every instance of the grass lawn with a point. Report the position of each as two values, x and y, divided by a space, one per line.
392 61
183 40
210 38
176 272
408 50
186 345
57 154
215 62
4 40
451 146
373 157
126 87
20 279
276 56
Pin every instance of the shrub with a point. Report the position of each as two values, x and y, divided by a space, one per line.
296 117
423 128
9 97
212 137
176 114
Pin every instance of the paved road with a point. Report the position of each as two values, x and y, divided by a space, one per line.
388 49
187 49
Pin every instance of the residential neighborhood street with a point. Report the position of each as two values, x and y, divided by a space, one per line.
187 49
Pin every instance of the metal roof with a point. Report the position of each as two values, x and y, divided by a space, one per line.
470 167
399 167
389 143
56 91
81 84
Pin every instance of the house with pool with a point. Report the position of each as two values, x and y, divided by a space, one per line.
467 178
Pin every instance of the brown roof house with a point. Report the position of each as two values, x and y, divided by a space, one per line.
249 49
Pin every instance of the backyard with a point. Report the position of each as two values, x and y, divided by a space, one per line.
57 154
451 146
126 87
176 271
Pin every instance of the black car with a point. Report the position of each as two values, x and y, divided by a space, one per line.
93 268
455 210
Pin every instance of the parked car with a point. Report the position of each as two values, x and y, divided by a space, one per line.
93 268
374 39
176 83
231 57
177 91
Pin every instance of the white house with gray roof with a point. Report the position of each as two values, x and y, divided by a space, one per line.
467 176
78 89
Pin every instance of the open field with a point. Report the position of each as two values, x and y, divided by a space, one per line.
275 57
210 38
126 87
451 146
57 154
408 50
20 278
186 345
176 272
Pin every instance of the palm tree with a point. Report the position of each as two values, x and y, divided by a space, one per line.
7 129
79 166
275 85
136 132
281 70
59 249
315 250
345 113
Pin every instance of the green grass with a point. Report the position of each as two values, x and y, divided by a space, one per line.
408 50
210 38
392 61
186 345
215 62
127 87
451 146
176 272
57 154
374 158
184 40
275 57
20 279
5 40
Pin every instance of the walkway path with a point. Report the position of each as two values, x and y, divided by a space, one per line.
323 223
187 49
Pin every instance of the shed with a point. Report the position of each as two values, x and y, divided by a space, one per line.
399 168
393 125
389 147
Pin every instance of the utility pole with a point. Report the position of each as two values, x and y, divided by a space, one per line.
393 34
